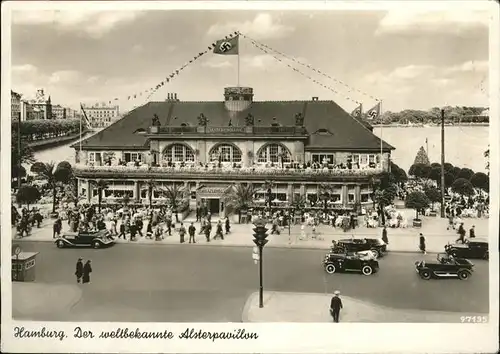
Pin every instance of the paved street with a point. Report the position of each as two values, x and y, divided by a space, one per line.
181 283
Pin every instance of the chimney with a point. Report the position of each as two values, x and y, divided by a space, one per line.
168 96
175 96
315 98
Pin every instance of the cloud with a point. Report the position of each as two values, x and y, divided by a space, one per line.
261 27
24 69
94 22
470 66
399 74
421 20
217 62
64 76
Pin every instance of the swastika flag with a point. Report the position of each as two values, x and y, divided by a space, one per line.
228 46
373 113
357 112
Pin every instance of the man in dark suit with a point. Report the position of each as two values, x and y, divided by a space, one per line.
79 270
336 306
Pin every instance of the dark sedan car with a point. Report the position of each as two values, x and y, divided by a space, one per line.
350 262
471 248
376 245
95 239
446 266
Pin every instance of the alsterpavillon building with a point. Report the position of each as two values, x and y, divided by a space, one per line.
206 147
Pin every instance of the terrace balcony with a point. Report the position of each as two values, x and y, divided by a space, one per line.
214 172
296 131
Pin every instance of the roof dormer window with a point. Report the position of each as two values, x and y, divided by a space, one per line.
323 131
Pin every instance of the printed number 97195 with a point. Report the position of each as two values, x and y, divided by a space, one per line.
473 319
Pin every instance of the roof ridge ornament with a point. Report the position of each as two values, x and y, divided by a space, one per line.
202 120
249 120
155 121
299 120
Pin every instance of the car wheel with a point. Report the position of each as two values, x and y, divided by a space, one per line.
96 244
463 275
330 268
425 274
375 253
367 270
454 254
60 244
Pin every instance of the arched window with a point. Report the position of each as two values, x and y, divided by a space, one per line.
178 153
274 153
225 153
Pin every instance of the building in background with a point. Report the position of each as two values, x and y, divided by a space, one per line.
59 112
102 115
308 149
42 106
15 105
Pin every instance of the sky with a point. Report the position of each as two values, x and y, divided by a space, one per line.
409 60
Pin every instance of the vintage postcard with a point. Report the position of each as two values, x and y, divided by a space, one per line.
250 177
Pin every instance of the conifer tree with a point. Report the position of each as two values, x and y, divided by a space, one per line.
421 158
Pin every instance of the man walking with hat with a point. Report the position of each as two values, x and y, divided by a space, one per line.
79 270
335 306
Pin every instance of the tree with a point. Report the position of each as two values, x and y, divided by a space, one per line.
419 170
238 198
325 192
487 157
435 164
17 172
46 170
448 167
268 188
433 194
299 203
125 200
398 173
28 194
26 152
466 173
481 181
417 200
101 185
152 186
422 158
462 186
175 194
455 171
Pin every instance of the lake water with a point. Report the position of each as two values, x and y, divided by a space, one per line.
464 146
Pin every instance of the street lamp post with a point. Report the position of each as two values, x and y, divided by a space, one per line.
260 241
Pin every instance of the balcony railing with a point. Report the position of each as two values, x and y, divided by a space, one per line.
224 172
286 130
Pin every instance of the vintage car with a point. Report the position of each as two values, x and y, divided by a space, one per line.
471 248
363 262
95 239
445 267
375 245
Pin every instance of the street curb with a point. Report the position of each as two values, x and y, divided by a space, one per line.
208 244
244 315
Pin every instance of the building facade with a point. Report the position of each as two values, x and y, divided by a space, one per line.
58 112
41 106
15 105
102 115
207 147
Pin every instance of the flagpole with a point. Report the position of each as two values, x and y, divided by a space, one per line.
381 135
81 130
238 67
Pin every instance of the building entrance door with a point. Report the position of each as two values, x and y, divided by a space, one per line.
214 206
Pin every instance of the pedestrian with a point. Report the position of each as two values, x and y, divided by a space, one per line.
335 306
192 231
182 232
139 225
422 243
57 228
149 231
87 269
133 230
79 270
384 236
122 231
208 228
112 227
169 225
461 232
472 232
218 231
228 225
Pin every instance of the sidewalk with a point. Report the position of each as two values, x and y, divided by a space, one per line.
33 300
308 307
400 240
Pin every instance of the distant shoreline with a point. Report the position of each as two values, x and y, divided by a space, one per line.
396 125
